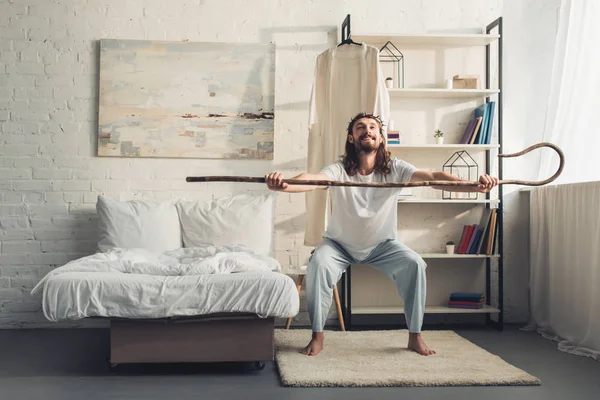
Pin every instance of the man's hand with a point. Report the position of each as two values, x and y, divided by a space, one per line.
486 183
274 181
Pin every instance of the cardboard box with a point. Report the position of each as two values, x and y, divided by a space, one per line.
465 82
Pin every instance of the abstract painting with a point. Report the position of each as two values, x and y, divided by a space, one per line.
186 100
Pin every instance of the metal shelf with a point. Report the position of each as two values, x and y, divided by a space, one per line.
446 40
462 256
451 201
437 41
442 93
449 146
428 310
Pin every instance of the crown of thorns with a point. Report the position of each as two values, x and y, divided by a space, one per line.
364 115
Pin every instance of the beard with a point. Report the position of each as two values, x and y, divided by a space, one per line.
365 147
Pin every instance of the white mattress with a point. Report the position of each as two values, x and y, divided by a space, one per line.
185 282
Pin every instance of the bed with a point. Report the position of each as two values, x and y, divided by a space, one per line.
195 290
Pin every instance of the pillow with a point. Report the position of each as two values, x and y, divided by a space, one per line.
243 219
141 224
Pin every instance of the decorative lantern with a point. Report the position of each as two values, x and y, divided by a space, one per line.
461 165
390 54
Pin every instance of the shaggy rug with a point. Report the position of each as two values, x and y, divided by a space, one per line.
378 358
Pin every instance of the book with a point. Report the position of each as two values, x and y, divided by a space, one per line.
464 303
462 238
474 306
466 296
469 295
467 299
492 233
495 238
484 223
481 111
490 122
465 243
472 239
476 130
485 239
468 131
474 245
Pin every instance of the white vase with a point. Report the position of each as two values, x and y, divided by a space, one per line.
389 83
450 248
439 140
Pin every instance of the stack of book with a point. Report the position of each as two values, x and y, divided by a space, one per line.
479 129
480 238
465 300
393 137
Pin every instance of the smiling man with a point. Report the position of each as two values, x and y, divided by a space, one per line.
362 228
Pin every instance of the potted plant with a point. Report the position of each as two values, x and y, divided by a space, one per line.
439 137
389 82
450 247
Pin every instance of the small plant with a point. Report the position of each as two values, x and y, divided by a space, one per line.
438 133
449 243
389 78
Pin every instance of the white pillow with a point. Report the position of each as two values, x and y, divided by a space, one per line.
141 224
243 219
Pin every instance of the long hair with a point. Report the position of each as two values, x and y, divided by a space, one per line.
350 158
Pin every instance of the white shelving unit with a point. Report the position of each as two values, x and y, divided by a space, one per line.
434 93
459 256
444 146
428 310
449 201
436 41
429 40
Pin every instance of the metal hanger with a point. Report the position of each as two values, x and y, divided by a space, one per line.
346 37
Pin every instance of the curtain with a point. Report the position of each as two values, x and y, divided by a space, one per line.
565 266
565 216
574 102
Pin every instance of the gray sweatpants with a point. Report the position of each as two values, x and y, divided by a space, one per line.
398 262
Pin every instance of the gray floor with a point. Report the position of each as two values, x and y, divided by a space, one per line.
70 364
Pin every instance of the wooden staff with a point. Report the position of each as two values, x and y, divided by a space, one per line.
250 179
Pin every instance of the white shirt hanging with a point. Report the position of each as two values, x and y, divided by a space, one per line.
348 80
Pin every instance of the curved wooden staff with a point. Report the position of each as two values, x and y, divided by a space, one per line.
399 184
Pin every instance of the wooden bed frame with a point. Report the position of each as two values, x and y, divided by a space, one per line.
209 338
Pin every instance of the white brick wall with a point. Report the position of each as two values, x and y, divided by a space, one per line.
49 175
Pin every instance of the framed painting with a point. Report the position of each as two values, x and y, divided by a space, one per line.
186 100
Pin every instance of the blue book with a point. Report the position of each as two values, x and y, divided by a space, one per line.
471 239
475 244
490 125
466 295
481 111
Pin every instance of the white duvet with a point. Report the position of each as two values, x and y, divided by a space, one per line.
136 283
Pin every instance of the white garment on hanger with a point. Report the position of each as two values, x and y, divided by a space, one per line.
348 80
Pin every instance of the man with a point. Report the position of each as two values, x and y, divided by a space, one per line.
362 228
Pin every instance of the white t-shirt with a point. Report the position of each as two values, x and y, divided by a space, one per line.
362 218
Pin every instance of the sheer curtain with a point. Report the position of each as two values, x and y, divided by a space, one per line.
572 117
565 218
565 266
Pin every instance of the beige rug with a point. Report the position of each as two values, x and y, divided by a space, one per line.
380 358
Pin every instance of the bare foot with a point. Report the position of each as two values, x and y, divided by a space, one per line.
315 345
417 344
